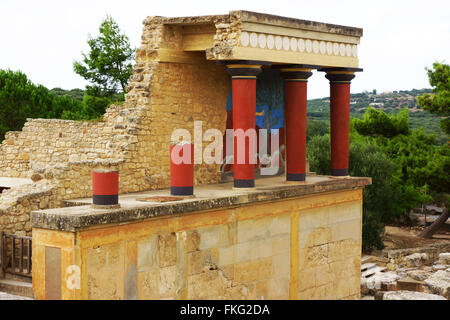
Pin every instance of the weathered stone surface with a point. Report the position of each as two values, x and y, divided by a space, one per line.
378 280
437 267
397 256
410 295
409 285
416 259
167 246
439 283
418 275
105 272
444 258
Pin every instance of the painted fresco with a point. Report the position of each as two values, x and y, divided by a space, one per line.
269 108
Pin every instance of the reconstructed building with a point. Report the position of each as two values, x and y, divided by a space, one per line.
291 236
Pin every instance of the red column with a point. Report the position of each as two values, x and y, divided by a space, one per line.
295 104
339 125
182 169
340 79
244 109
105 187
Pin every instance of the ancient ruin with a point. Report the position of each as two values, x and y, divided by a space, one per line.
293 235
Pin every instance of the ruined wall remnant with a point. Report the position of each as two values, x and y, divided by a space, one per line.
134 137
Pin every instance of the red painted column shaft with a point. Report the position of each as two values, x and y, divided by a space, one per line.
339 122
105 187
340 79
244 110
295 100
243 85
182 169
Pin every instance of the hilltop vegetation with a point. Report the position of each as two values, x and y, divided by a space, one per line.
76 94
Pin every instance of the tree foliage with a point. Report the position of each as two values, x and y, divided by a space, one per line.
438 102
21 99
406 167
378 123
108 65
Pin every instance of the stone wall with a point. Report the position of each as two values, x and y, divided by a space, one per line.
16 204
298 248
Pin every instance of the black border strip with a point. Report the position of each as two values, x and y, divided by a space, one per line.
244 183
295 177
181 191
339 172
103 200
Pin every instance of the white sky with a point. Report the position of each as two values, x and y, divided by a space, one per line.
42 38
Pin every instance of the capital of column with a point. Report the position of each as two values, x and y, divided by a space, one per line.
340 75
296 73
245 69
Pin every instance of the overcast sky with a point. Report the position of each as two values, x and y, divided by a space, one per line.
43 38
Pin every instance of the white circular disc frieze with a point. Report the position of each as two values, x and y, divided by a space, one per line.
262 41
293 44
308 46
336 49
286 43
316 46
355 51
348 50
253 40
270 41
301 45
342 49
245 39
329 48
278 43
322 47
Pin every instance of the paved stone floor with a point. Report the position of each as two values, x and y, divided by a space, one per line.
6 296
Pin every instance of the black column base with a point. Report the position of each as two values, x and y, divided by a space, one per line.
181 191
339 172
295 177
241 183
105 200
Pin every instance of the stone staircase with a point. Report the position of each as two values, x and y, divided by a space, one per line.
17 285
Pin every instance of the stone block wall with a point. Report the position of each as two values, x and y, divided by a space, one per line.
330 252
301 248
16 204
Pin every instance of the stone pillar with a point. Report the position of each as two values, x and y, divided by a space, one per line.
244 109
295 101
340 79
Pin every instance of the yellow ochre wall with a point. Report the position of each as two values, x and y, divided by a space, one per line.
298 248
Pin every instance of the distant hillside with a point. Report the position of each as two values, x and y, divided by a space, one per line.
74 93
389 102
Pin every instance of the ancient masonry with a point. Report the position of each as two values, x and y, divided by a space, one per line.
295 236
